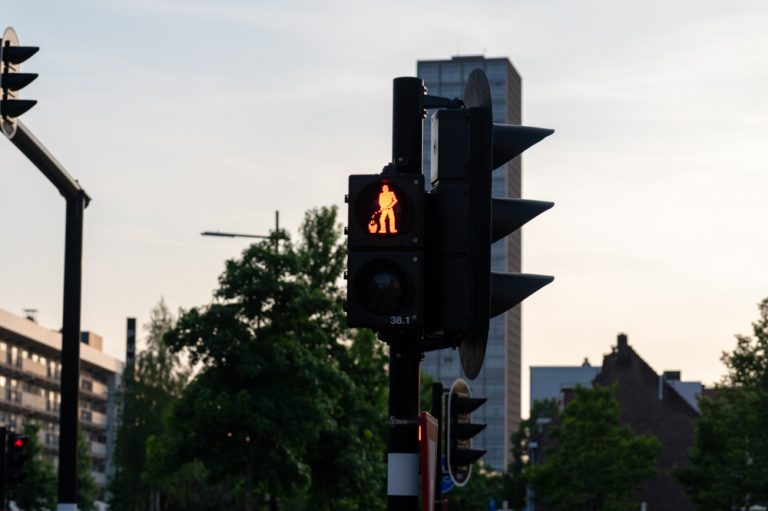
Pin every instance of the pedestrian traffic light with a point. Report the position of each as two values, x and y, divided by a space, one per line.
460 430
466 147
386 251
12 80
15 458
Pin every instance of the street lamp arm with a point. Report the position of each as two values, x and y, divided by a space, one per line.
232 235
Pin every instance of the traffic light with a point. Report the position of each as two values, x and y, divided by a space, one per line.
461 429
12 80
15 458
466 147
386 251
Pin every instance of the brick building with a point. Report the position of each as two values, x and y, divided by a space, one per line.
650 404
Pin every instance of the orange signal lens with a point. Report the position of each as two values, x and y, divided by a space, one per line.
383 221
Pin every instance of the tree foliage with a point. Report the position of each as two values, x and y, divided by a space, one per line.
287 400
150 385
484 485
596 463
87 490
728 465
515 485
37 492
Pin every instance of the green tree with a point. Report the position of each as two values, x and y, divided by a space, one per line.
151 384
37 492
483 486
287 400
728 465
87 490
596 463
347 459
515 483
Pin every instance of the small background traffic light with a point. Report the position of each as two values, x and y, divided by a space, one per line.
12 80
386 251
460 430
16 458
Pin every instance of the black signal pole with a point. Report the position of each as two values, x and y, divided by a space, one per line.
404 357
437 412
77 200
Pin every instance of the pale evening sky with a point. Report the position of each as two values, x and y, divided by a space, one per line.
179 116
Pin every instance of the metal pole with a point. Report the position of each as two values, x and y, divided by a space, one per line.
77 200
277 229
232 235
70 356
36 152
130 341
404 357
403 445
437 413
407 124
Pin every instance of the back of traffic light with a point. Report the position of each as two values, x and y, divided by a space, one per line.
12 80
466 147
460 431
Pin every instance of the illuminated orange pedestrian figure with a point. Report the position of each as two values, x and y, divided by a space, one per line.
387 201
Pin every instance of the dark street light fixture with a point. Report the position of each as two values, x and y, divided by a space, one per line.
236 235
232 235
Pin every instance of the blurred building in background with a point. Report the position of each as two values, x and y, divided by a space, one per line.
30 371
549 382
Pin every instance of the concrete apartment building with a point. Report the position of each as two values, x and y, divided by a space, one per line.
29 388
499 380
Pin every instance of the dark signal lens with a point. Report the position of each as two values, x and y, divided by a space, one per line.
382 287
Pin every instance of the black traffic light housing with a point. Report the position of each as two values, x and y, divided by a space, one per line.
386 251
466 147
12 80
460 430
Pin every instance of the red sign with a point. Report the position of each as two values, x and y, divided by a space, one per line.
428 447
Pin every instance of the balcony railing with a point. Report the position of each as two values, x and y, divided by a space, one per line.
92 417
30 366
33 401
12 396
94 388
